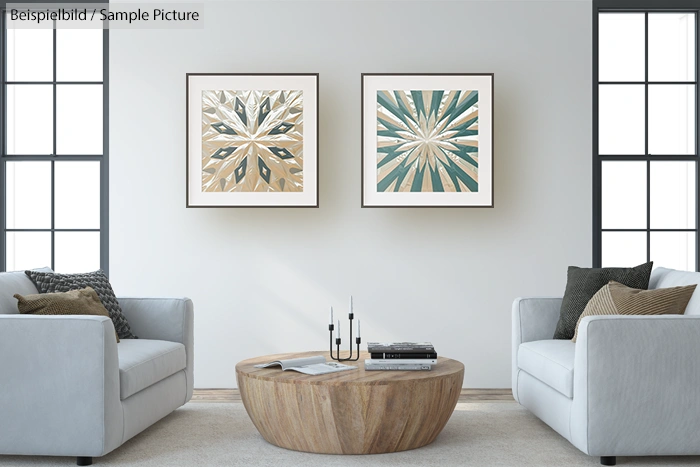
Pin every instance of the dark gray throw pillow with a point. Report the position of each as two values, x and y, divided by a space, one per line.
48 282
583 283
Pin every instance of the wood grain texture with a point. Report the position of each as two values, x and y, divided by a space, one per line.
352 412
467 396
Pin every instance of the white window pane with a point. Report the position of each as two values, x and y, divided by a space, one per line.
675 250
28 189
30 119
671 47
29 54
671 119
28 250
79 54
621 47
672 195
79 119
77 252
77 204
624 249
624 195
621 119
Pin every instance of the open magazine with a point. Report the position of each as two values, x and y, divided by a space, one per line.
308 365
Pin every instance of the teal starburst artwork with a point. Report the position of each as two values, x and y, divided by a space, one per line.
428 141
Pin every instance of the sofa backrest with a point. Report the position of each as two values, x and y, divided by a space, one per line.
662 278
12 283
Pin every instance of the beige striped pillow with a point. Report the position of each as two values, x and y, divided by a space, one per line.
618 299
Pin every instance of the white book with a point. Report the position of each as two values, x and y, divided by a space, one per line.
405 361
370 366
308 365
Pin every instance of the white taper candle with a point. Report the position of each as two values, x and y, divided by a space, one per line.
358 328
331 318
337 331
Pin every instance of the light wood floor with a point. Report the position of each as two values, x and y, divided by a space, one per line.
468 395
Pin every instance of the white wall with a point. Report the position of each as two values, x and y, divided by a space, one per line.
262 279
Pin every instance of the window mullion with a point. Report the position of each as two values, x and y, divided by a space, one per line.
597 160
646 129
3 143
104 160
80 82
53 163
697 142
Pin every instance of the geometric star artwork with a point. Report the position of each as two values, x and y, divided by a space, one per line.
427 141
252 141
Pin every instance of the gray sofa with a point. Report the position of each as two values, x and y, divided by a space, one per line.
68 389
629 386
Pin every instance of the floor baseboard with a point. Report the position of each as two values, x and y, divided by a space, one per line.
467 395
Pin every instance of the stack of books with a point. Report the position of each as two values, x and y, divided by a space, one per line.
402 356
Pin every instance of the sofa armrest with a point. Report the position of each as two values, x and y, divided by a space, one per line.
166 319
636 383
59 386
533 319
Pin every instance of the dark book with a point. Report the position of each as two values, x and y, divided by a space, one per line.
400 355
400 347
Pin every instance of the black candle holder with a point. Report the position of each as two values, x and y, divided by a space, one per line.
331 328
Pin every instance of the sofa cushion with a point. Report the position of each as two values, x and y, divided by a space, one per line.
662 278
144 362
550 361
617 299
12 283
76 302
54 282
583 283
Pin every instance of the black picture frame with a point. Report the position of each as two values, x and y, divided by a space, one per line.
364 138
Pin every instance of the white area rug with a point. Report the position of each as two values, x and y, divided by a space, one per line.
221 434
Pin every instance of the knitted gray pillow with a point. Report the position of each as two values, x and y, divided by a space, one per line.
583 283
50 282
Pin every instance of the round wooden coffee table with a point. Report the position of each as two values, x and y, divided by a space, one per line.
351 412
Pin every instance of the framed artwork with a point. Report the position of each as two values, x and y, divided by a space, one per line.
252 140
427 140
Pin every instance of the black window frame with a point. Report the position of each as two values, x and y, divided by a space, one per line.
643 6
102 158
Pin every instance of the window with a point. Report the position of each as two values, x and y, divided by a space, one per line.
645 133
53 165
